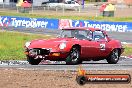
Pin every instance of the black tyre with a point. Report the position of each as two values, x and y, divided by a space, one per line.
81 80
33 61
113 57
74 56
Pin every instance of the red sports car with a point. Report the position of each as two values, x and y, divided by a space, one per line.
75 45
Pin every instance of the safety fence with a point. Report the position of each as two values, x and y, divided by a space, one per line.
53 24
90 9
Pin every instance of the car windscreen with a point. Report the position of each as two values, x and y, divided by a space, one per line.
79 34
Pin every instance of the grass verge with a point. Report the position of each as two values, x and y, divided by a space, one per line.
61 16
11 44
128 50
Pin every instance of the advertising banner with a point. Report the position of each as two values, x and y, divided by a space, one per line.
65 23
23 22
107 26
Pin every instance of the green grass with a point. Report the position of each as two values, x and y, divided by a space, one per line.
12 44
128 50
126 19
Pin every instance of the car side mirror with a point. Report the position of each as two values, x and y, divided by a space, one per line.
90 39
58 36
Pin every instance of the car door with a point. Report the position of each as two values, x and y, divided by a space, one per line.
89 47
101 43
95 46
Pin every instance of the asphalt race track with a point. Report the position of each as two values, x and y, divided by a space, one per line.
122 36
123 64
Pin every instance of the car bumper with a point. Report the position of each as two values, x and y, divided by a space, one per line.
56 55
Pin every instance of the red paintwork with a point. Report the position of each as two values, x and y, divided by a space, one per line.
89 49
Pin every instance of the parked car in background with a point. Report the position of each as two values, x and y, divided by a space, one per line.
69 5
75 45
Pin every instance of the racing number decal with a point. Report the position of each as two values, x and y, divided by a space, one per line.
102 46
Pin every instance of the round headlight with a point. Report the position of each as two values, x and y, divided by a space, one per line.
27 44
62 45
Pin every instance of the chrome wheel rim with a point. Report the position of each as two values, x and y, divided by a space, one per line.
74 55
115 55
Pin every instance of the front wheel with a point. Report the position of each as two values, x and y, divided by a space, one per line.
81 80
114 57
33 61
74 56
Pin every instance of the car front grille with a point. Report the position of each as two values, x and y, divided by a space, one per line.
38 51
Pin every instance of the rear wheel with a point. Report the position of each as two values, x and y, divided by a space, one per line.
33 61
74 56
114 57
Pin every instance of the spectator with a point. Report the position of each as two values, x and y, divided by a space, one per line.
103 6
26 5
109 10
19 3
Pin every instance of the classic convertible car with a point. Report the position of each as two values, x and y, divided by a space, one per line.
75 45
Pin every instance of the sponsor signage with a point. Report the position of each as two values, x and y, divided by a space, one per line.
65 23
107 26
103 78
83 78
23 22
